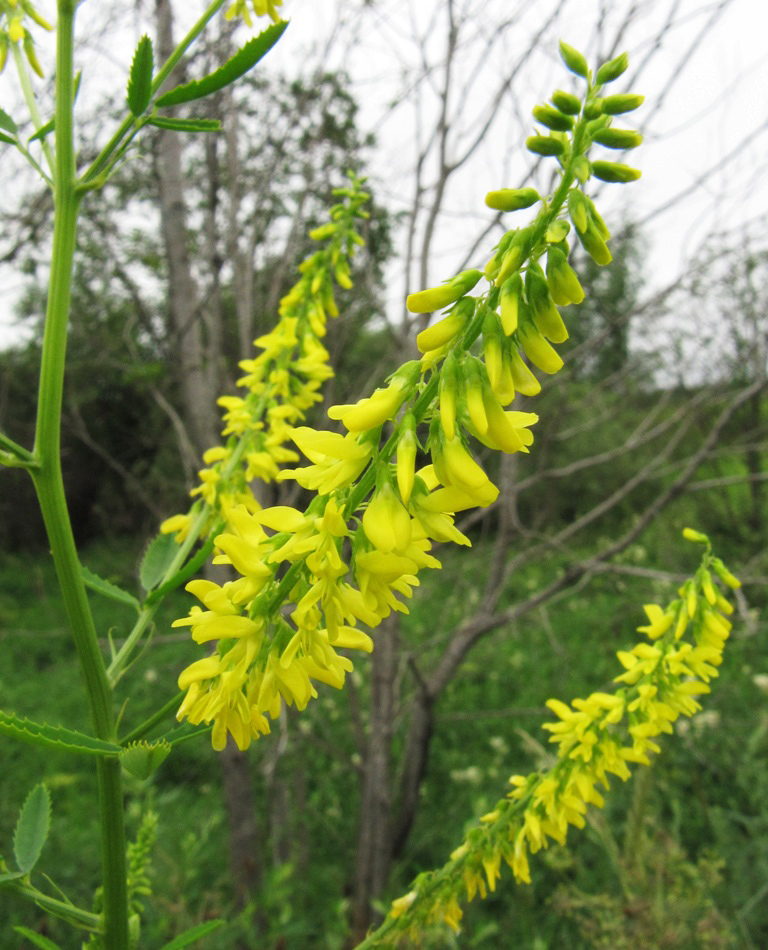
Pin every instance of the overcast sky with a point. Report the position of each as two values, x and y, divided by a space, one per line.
714 112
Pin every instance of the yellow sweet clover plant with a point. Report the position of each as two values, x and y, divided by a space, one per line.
596 738
309 579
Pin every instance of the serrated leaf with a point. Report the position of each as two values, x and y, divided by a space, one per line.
32 828
108 589
189 936
189 570
140 79
54 737
243 60
37 939
7 123
185 125
7 138
158 557
44 130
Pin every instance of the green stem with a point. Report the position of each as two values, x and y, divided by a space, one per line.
66 911
50 490
34 112
105 159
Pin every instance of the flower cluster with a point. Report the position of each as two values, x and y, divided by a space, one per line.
12 31
597 737
355 554
260 8
283 381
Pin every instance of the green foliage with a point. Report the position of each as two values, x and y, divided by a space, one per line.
242 62
32 827
140 79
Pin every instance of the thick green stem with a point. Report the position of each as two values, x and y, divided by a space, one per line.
50 490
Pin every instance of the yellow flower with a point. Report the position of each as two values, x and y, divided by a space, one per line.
338 460
260 8
386 523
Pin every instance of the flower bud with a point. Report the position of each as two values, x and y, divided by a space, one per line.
512 199
15 29
595 246
538 351
524 380
557 231
449 390
696 536
612 69
435 298
475 381
574 60
446 329
617 138
566 102
593 108
510 299
386 523
492 351
578 209
545 314
552 118
625 102
563 283
407 447
544 145
615 172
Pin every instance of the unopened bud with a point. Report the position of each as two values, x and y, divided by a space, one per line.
595 246
510 300
553 118
615 172
625 102
578 208
574 60
566 102
435 298
446 329
593 108
524 380
538 351
512 199
563 283
544 145
617 138
612 69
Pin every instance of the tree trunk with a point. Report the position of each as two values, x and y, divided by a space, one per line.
195 372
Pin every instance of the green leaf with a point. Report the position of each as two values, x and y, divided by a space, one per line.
190 569
233 69
189 936
185 125
158 557
7 123
140 79
10 876
108 589
54 737
44 130
7 138
32 828
37 939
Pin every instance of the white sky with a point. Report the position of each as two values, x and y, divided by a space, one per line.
709 110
